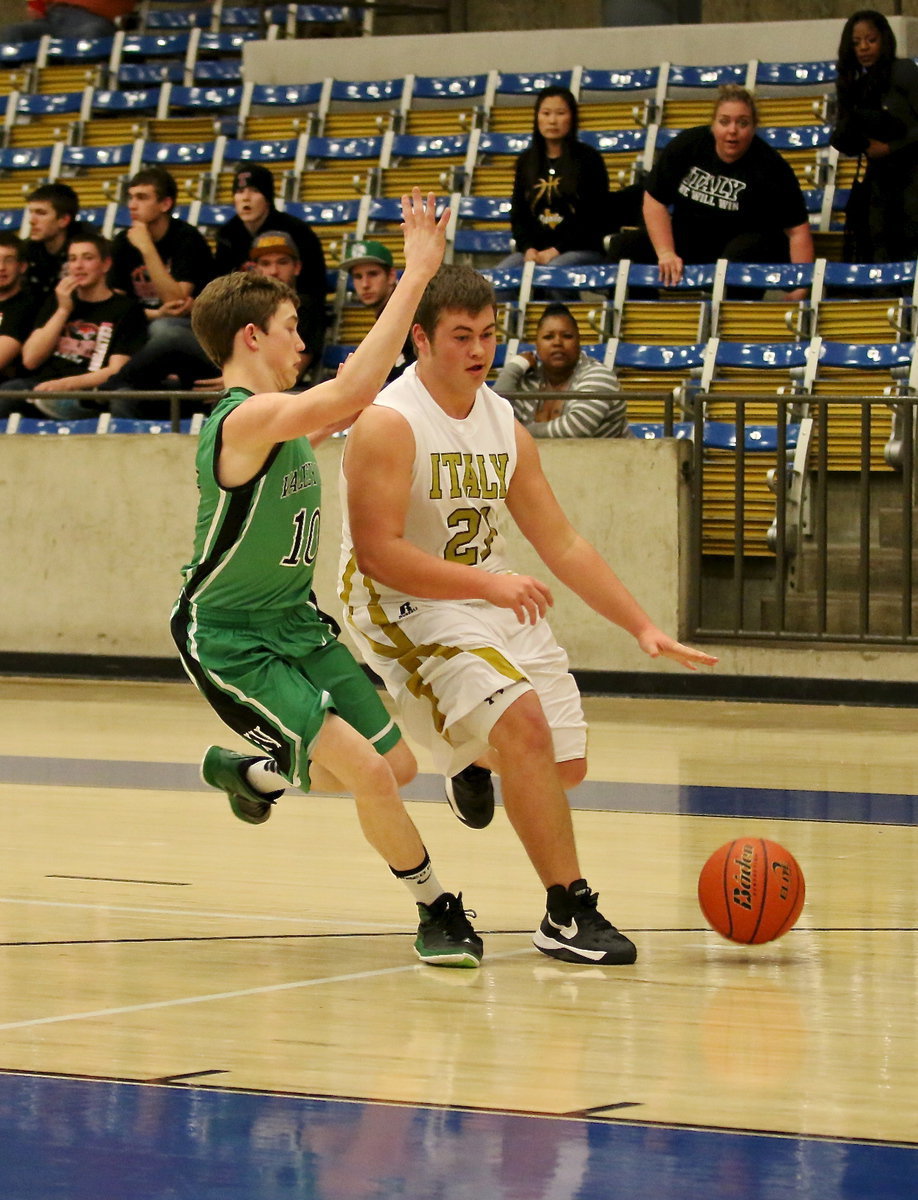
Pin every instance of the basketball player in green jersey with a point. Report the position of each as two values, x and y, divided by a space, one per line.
249 633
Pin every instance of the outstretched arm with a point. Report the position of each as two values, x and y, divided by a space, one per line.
274 417
578 564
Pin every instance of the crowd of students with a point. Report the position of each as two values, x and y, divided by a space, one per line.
81 313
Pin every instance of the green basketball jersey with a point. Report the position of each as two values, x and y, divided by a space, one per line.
255 545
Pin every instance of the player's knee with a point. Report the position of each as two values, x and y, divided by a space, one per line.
376 776
523 731
403 764
572 772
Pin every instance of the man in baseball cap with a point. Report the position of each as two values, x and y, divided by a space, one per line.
275 253
373 277
256 214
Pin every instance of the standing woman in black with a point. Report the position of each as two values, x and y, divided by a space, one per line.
878 123
560 190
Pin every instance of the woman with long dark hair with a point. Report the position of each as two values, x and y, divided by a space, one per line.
560 189
878 123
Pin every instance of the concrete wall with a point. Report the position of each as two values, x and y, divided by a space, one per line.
525 49
95 530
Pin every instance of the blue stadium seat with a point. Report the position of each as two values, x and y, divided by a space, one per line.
785 276
758 356
796 74
78 49
505 280
122 101
46 426
864 276
218 71
139 47
448 87
32 104
528 83
650 431
15 54
681 360
706 77
637 79
595 277
721 435
225 44
177 18
695 277
145 74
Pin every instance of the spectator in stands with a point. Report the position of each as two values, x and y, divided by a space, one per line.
253 199
84 333
162 262
275 255
74 19
374 277
560 190
878 123
17 306
718 191
52 209
559 365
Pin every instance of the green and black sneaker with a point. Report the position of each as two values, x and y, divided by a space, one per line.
445 935
225 769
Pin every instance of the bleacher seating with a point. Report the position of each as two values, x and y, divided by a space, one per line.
343 151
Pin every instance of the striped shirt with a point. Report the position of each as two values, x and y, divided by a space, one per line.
602 415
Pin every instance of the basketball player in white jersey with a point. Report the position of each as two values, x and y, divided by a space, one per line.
460 641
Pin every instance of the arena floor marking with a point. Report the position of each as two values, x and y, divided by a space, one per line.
237 994
792 804
81 1140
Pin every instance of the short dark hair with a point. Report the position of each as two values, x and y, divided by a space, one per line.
12 241
556 309
90 237
161 181
61 196
229 303
454 288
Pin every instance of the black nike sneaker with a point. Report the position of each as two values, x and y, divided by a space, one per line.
471 796
574 930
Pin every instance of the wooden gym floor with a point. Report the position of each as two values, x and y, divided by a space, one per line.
195 1008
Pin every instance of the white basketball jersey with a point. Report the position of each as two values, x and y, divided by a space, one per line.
461 472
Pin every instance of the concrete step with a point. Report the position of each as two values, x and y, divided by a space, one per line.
842 615
891 523
843 569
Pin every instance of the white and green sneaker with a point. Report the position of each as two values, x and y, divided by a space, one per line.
225 769
445 935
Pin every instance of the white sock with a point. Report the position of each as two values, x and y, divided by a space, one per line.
420 881
263 777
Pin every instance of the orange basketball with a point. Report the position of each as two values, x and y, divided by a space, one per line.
751 890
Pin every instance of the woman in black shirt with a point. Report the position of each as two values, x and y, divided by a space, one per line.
878 122
560 190
718 191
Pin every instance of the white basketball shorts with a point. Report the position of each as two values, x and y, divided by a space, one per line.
454 668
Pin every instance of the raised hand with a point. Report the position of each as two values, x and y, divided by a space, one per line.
425 235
